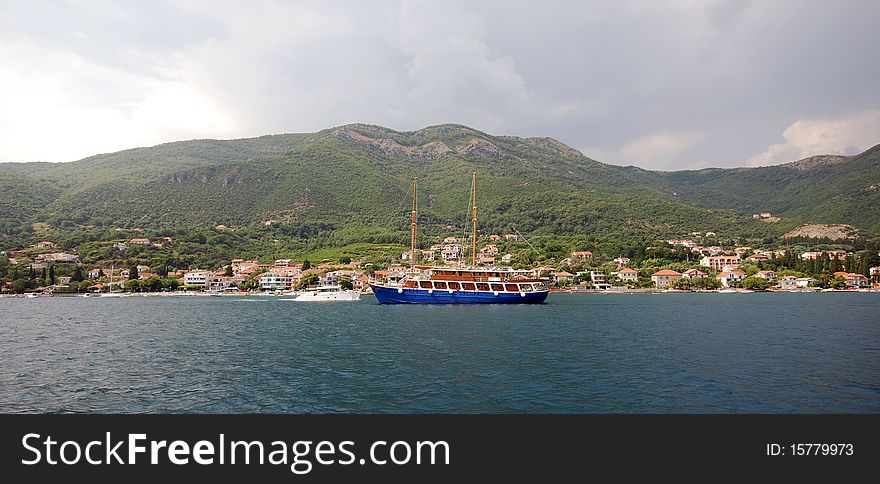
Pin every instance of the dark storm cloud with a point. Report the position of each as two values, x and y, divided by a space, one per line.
663 85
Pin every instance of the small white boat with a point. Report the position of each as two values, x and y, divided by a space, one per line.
727 291
111 294
324 293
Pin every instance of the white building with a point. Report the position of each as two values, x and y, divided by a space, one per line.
196 278
451 252
276 281
629 275
804 281
217 283
728 278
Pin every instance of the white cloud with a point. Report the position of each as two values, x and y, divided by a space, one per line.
656 151
58 106
845 135
660 85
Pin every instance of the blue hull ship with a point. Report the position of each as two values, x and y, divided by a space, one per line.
404 295
460 285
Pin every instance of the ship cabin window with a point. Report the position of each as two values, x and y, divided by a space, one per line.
468 286
510 287
527 287
483 286
425 284
497 287
453 286
439 284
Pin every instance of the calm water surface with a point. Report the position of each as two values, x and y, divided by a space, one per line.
578 353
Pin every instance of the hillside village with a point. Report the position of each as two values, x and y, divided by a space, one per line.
699 262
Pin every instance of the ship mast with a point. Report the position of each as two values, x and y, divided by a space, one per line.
412 247
474 246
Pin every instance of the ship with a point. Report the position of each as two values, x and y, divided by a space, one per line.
460 285
324 293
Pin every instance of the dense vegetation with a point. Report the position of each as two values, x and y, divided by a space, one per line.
345 192
820 189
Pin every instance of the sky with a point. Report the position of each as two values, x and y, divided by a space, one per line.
665 85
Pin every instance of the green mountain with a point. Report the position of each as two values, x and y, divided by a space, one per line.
819 189
351 185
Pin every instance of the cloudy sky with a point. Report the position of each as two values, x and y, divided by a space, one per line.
663 85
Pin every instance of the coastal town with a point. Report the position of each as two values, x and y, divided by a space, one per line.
697 263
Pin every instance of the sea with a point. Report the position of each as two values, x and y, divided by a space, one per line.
578 353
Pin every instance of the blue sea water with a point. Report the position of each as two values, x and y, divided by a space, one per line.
585 353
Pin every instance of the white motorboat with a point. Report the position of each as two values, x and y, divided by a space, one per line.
324 293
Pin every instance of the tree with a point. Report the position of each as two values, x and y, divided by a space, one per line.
345 260
133 285
755 283
307 280
170 283
77 274
228 271
101 273
345 283
52 274
306 265
707 283
133 273
21 285
682 283
838 283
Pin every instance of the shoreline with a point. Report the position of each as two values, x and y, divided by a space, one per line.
553 292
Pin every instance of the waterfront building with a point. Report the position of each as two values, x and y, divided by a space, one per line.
694 274
853 279
788 283
665 278
768 275
194 278
802 282
628 275
563 277
732 276
276 281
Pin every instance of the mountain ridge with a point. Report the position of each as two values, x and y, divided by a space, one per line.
355 178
